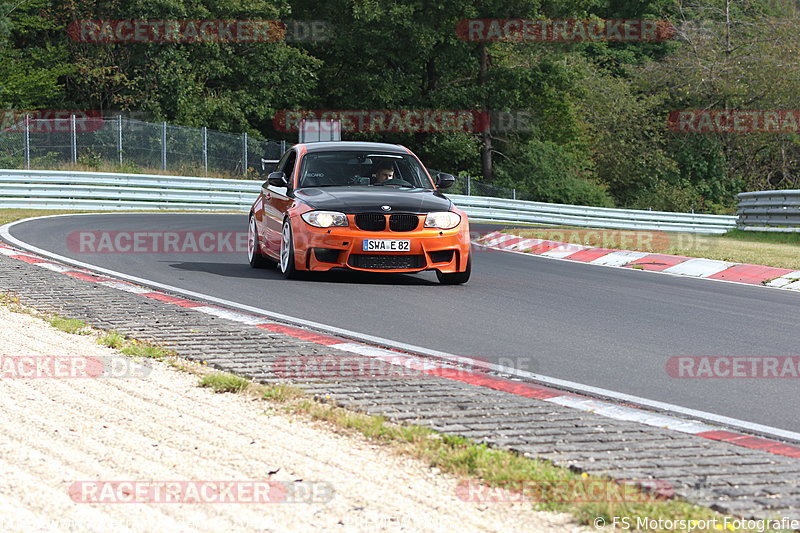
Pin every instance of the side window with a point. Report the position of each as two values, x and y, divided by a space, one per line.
288 167
282 162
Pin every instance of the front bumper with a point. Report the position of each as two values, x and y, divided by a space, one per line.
322 249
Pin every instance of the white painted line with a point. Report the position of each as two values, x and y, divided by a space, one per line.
623 257
371 339
701 268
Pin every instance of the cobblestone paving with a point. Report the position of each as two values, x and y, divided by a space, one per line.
744 482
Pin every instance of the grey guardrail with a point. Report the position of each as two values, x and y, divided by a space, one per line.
52 189
503 210
769 210
106 191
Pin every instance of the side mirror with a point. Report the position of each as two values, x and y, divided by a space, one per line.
444 181
277 179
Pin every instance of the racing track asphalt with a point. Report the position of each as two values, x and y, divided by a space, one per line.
605 327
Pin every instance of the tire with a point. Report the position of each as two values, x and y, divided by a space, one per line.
456 278
254 256
286 264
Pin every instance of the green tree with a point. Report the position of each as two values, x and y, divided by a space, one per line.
34 60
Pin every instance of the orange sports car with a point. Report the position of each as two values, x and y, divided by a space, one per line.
357 206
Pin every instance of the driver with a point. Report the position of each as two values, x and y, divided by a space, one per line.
383 172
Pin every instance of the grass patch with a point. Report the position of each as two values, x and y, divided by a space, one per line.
508 470
224 382
69 325
768 237
761 248
11 215
150 351
280 392
9 298
492 467
112 339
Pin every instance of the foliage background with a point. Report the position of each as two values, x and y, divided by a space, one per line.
599 110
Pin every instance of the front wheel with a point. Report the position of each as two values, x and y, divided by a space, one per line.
287 251
456 278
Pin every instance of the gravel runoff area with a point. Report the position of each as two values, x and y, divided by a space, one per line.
159 425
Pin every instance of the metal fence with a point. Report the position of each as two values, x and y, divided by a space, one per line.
469 186
769 211
111 191
46 143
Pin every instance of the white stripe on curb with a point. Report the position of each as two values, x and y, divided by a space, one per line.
242 318
620 412
389 356
787 281
54 267
127 287
501 239
564 250
623 257
523 244
699 268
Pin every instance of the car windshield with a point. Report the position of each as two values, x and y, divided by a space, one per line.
353 168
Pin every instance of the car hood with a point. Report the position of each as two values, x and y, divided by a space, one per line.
365 199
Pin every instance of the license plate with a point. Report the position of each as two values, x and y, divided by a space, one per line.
386 245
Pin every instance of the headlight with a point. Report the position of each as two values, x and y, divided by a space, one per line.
325 219
442 220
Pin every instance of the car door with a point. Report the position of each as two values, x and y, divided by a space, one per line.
277 201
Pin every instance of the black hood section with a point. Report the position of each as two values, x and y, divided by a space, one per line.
366 199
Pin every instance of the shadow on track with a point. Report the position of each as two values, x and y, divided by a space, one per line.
244 271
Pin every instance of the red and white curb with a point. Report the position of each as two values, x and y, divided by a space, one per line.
425 365
782 278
